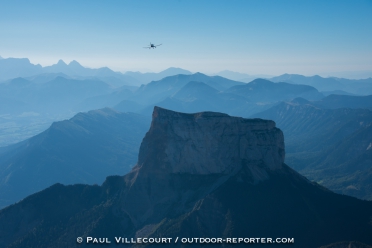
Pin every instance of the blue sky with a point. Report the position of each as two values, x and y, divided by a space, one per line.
253 37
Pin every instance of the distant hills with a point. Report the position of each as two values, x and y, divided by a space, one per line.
354 86
145 78
14 67
58 95
85 149
55 96
261 90
166 87
241 77
198 175
235 98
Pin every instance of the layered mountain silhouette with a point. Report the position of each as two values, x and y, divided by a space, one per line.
22 67
198 175
355 86
84 149
182 93
331 145
159 90
198 97
57 95
145 78
13 68
106 100
261 90
241 77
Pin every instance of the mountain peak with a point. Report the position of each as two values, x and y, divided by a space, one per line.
178 143
199 73
74 63
61 62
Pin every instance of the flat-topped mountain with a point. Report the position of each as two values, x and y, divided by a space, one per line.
182 142
198 175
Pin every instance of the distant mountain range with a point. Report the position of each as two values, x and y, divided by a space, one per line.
199 175
241 77
85 149
262 91
354 86
59 96
166 87
146 78
14 67
198 92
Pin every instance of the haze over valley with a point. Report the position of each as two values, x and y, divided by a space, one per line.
186 123
115 117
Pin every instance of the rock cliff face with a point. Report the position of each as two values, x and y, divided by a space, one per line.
198 175
204 149
208 143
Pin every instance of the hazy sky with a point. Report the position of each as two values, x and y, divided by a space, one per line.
255 37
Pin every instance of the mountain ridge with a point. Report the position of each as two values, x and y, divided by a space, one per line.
84 149
354 86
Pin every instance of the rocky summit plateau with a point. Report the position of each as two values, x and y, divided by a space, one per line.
208 143
199 175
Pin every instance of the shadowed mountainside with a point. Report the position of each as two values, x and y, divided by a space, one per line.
330 146
85 149
198 175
